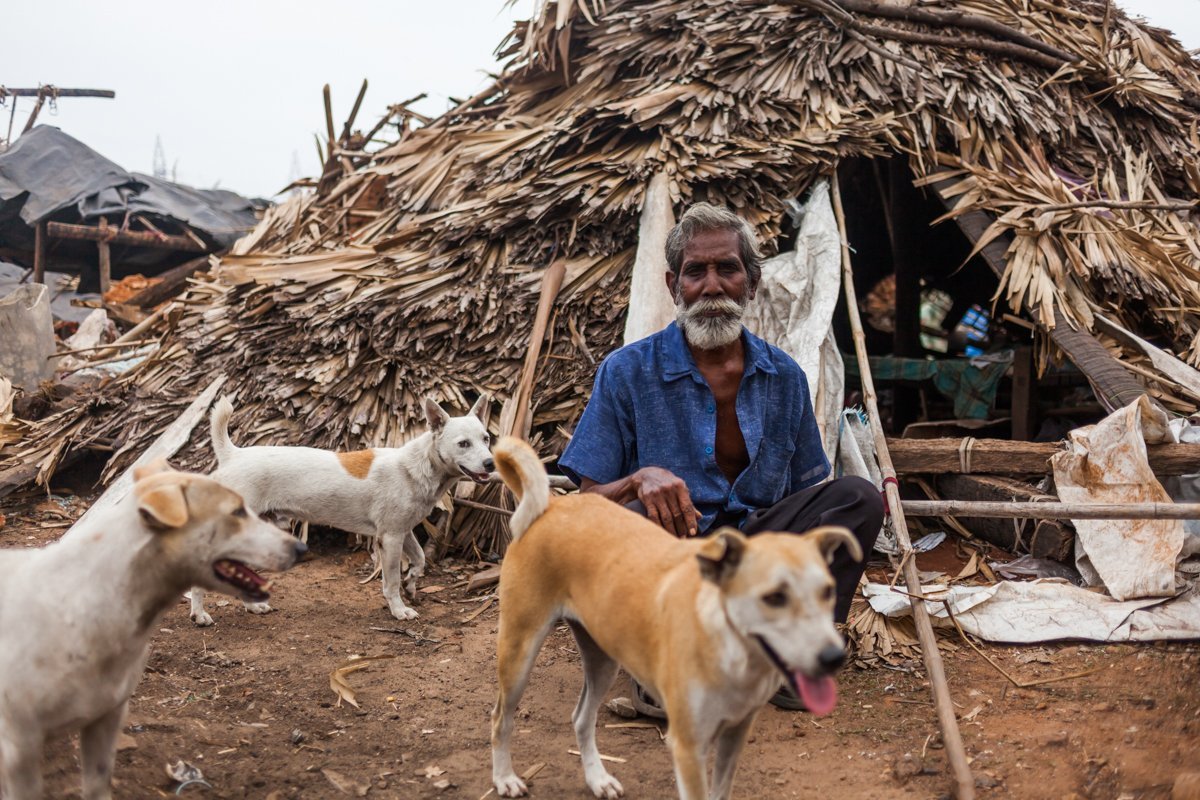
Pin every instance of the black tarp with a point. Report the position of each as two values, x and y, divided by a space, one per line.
48 174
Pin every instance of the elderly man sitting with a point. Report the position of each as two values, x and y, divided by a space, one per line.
704 424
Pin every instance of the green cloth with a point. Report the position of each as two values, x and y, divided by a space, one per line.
972 388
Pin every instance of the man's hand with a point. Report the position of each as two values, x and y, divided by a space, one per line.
667 500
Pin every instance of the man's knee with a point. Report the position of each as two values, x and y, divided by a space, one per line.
859 492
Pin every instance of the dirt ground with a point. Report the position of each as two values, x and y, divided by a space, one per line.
248 701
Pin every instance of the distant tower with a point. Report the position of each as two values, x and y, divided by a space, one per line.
160 160
294 174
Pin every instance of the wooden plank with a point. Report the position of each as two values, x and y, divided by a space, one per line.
1002 457
480 580
165 446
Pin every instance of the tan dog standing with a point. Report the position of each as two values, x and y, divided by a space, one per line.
76 616
709 626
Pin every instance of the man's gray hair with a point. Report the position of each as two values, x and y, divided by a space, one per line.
707 217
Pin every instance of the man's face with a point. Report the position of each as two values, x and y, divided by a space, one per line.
712 290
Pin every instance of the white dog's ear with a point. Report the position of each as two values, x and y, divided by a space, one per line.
480 407
721 554
435 415
830 537
163 506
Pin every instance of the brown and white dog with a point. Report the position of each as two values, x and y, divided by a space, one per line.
76 616
382 493
710 627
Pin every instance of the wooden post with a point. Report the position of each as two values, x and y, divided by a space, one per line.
1024 405
39 253
1035 510
105 264
943 705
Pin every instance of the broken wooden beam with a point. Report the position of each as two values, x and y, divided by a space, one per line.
1002 457
89 233
170 283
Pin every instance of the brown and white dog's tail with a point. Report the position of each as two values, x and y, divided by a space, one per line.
218 425
524 474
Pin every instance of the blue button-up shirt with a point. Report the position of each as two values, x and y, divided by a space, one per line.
651 407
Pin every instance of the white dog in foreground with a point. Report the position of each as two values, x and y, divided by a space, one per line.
76 616
709 626
382 492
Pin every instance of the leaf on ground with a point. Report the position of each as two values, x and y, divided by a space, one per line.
345 785
337 678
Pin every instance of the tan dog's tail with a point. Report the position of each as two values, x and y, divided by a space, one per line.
524 474
219 429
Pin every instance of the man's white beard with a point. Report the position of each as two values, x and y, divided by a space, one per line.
710 332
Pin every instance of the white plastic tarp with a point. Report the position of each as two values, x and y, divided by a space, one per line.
1047 610
794 308
1106 463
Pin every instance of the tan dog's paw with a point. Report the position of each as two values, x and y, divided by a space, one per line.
201 618
510 786
259 608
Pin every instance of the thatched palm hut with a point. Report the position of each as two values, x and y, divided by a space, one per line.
416 269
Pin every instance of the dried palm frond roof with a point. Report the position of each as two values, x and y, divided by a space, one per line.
415 269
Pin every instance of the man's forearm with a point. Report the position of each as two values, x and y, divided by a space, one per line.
622 490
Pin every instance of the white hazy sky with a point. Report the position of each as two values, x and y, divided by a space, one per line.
233 87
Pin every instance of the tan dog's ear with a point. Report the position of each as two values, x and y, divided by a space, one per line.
481 406
153 468
435 415
721 553
163 506
830 537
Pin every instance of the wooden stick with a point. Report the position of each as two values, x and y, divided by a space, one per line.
1132 205
66 230
328 119
1035 510
104 260
1001 457
39 252
943 704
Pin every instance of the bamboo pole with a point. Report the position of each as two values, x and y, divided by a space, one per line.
1035 510
943 705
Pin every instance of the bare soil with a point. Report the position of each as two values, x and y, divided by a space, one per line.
249 703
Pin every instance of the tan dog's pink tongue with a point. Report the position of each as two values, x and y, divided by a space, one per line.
818 694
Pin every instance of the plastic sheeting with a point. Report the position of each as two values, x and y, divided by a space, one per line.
1106 463
1046 611
793 309
47 171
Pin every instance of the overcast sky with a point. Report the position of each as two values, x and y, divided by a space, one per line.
233 87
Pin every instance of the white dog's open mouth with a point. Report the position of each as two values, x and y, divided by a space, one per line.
478 477
819 694
249 583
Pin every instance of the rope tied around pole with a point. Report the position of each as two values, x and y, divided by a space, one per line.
964 454
887 511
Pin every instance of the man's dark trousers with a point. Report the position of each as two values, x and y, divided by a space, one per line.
851 502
